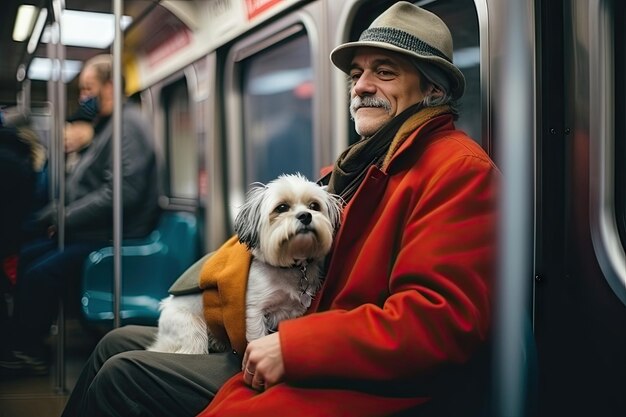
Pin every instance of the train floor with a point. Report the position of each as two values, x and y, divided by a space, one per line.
41 396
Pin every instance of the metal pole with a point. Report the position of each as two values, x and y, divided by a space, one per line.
24 99
515 131
60 98
117 164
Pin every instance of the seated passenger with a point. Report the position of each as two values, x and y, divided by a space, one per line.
404 316
44 272
78 135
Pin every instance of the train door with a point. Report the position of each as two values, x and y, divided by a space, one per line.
580 286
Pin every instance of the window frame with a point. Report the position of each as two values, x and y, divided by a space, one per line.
257 42
602 169
168 200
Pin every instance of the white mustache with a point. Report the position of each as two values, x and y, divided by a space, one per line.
368 101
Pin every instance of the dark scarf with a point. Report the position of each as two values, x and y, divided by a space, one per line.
351 166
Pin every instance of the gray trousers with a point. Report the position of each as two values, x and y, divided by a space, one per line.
121 378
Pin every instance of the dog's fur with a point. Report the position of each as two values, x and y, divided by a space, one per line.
288 225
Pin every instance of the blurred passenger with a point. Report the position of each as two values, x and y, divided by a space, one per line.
78 136
21 157
44 272
402 323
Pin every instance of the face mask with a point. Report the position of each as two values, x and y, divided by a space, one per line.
90 106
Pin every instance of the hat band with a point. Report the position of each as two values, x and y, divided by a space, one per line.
402 40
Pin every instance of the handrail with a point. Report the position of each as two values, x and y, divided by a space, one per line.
57 91
117 163
516 139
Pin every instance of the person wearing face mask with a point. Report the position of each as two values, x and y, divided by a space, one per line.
78 133
44 271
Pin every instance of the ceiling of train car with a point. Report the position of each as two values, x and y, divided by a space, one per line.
13 53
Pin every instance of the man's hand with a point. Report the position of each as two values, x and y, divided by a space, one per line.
263 365
78 135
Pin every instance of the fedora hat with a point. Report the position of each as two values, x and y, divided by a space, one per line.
412 31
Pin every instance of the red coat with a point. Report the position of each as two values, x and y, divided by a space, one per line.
407 299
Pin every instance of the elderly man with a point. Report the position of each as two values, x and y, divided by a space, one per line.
44 272
403 318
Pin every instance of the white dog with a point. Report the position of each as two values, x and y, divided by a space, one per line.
288 225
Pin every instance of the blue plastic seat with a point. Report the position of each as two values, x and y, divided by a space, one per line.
149 266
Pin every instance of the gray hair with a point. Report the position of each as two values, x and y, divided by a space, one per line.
103 67
435 76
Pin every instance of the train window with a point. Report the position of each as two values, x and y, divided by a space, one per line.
182 152
277 110
462 19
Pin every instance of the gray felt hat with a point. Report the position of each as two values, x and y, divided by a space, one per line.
410 30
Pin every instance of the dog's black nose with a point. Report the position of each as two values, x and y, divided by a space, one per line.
304 217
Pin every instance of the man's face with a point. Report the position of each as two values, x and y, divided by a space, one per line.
384 84
88 84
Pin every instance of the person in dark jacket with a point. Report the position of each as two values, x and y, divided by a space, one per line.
21 158
45 271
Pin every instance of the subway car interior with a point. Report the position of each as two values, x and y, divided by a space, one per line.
240 91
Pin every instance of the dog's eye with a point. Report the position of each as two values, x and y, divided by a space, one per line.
315 206
281 208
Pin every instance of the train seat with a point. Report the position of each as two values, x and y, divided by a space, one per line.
149 266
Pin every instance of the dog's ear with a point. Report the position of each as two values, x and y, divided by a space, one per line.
334 205
247 222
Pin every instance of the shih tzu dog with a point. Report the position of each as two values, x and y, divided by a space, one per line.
288 225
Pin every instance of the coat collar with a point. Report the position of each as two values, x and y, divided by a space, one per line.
408 128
